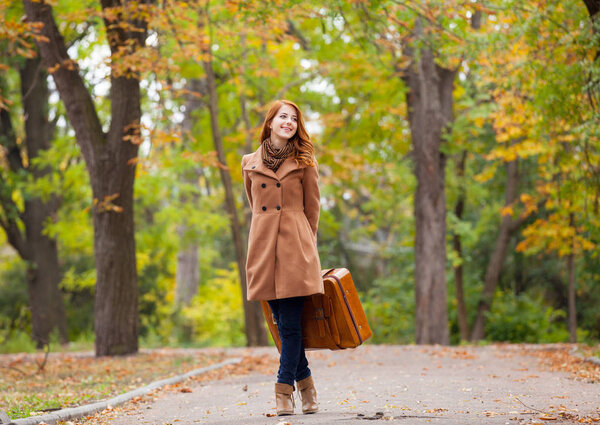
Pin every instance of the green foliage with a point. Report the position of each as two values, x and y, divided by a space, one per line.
18 342
524 318
389 306
216 313
342 63
15 325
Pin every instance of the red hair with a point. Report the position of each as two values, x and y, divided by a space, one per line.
301 140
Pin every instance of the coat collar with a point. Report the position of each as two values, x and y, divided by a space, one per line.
255 163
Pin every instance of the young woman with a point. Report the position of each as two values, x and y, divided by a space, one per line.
283 266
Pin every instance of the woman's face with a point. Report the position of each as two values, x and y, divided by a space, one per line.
284 123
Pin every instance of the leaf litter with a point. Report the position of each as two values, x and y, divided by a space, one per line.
74 379
261 364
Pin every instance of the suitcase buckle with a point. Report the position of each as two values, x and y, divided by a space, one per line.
319 313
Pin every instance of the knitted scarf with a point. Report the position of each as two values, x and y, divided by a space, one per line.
272 157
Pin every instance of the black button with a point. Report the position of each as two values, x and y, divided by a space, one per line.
263 185
278 207
278 184
264 208
253 167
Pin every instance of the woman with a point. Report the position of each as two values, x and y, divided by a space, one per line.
283 266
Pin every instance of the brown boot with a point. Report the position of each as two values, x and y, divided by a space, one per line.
308 395
284 399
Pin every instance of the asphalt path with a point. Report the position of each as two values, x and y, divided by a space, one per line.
496 384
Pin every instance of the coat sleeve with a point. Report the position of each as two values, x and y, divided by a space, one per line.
247 181
312 196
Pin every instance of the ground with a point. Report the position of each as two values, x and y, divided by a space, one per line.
494 384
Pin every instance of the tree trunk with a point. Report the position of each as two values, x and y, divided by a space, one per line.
571 292
463 324
430 111
255 330
38 251
248 149
110 160
492 275
593 89
249 146
43 270
187 277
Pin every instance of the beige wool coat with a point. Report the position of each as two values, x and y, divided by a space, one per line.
282 257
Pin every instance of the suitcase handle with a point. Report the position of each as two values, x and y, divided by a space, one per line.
327 272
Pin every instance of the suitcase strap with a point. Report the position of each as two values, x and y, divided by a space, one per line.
319 314
351 314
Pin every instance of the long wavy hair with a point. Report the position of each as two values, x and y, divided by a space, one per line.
301 140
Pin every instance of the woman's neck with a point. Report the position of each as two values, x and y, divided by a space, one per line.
278 142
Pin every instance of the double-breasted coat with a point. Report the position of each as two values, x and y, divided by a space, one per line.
282 259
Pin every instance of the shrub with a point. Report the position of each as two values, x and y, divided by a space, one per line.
524 318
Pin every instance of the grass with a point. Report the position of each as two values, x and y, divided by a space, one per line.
72 379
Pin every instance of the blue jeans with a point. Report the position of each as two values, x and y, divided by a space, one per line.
293 364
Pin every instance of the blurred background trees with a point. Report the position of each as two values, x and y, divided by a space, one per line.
457 142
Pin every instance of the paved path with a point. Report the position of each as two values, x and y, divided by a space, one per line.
396 384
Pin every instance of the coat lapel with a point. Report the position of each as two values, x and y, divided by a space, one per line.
256 164
287 167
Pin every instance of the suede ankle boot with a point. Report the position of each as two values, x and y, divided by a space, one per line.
308 395
284 399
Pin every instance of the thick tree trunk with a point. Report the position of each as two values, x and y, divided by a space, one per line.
43 271
255 329
571 291
430 111
116 302
39 251
492 275
463 324
110 159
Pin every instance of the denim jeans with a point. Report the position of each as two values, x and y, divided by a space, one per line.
293 364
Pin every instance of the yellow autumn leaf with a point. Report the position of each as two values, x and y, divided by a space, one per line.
507 210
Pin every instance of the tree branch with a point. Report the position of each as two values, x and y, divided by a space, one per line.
75 96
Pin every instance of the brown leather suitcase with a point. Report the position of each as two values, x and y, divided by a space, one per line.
333 320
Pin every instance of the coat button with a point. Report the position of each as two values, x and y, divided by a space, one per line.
278 184
253 167
278 207
264 208
263 185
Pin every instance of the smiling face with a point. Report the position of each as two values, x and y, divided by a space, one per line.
284 124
